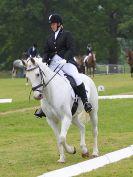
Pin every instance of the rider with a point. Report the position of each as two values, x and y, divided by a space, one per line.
32 51
60 48
88 52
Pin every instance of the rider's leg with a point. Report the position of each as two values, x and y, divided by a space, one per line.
82 94
71 70
85 58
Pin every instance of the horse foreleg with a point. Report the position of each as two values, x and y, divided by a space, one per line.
65 124
86 70
94 121
55 128
93 71
27 83
83 146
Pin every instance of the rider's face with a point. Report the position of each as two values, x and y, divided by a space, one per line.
54 26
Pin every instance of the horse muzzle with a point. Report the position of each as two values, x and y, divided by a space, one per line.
37 92
37 95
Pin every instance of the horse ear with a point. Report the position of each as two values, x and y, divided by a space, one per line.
32 60
23 61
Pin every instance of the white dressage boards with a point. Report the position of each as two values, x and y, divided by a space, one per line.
5 100
9 100
92 164
95 163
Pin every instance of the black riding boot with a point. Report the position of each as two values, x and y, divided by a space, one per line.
39 113
82 94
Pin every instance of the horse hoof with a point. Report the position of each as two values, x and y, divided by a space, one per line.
74 152
86 155
61 161
94 155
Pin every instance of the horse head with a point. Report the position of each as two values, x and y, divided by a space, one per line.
35 76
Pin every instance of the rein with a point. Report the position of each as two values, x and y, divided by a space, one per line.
54 74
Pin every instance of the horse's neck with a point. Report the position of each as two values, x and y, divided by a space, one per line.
90 58
51 78
55 87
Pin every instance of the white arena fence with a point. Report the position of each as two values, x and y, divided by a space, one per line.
9 100
111 69
92 164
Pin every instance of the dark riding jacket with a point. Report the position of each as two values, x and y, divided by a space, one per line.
63 46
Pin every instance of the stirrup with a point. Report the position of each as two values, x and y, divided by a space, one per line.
87 107
39 113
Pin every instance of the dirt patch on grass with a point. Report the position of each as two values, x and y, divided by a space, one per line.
18 110
127 93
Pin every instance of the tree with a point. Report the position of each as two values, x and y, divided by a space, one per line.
99 22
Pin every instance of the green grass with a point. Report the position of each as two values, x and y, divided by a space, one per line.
18 91
115 83
28 146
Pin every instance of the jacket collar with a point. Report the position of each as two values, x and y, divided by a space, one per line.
59 33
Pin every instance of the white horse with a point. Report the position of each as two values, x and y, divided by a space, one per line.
17 67
57 97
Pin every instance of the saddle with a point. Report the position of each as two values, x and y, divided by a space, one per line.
74 87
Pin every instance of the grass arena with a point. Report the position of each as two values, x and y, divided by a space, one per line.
28 146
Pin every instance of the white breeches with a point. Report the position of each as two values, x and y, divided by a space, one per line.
85 58
67 68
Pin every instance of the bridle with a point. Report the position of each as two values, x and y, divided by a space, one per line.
42 84
42 80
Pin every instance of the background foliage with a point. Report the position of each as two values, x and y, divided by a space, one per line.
106 24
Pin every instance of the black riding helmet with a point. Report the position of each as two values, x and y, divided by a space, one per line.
54 18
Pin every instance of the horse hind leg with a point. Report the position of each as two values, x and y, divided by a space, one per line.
13 73
94 121
83 146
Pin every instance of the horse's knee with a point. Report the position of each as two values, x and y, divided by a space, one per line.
62 140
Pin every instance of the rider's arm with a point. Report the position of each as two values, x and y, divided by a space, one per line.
70 45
